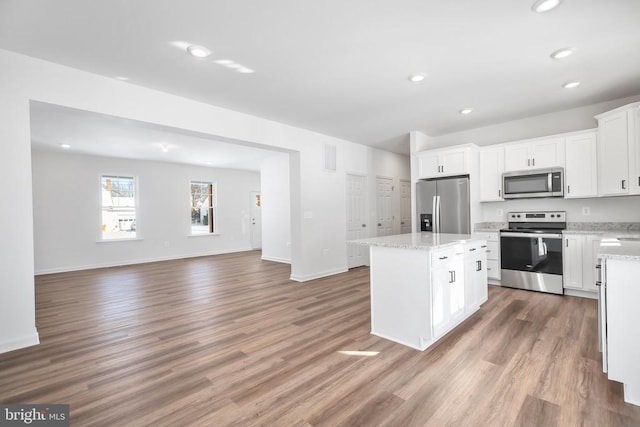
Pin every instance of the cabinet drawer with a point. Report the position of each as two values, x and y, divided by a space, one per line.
493 269
443 257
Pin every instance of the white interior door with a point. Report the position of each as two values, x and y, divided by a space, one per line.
384 191
256 220
356 220
405 207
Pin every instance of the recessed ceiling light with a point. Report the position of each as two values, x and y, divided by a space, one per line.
122 78
165 148
198 51
571 85
541 6
208 163
417 77
224 61
562 53
466 111
244 70
65 146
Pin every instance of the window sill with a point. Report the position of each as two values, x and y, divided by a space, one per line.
203 235
134 239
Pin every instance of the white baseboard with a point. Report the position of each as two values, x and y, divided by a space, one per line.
318 275
277 259
20 342
133 262
579 293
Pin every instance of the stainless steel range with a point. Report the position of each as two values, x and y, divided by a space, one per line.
531 251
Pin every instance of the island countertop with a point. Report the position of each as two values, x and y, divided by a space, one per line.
624 246
420 241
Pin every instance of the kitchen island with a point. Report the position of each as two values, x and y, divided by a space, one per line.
619 315
424 284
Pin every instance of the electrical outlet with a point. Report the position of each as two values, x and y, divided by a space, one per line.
586 210
325 252
499 212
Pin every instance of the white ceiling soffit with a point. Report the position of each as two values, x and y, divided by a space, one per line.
341 67
85 132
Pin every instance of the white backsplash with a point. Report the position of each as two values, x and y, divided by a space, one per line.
602 209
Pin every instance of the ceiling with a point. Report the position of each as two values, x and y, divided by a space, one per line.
102 135
341 67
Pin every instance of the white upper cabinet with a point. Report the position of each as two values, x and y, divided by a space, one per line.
581 173
491 169
618 151
541 153
634 150
437 163
428 164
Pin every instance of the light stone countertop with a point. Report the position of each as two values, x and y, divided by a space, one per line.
420 241
612 248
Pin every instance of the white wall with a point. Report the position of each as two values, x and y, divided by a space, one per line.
575 119
67 216
276 208
318 231
603 209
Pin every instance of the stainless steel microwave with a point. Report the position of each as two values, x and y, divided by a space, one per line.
533 183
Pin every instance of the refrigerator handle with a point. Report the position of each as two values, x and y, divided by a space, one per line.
437 213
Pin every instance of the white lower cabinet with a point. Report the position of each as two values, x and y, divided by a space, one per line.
475 275
493 253
621 346
448 286
459 284
579 260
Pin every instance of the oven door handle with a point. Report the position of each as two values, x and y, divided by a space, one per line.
532 235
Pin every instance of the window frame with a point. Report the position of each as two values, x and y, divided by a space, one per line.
212 209
136 200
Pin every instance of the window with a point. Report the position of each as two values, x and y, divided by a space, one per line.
202 208
118 207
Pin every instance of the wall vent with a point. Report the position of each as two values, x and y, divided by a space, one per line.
330 158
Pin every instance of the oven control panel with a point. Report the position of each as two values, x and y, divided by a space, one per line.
555 216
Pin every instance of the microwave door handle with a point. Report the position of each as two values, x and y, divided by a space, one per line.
550 181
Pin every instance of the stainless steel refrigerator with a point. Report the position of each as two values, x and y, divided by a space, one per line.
443 205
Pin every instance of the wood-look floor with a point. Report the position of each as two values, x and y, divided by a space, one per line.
229 340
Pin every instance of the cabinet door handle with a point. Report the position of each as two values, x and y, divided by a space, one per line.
528 162
568 189
484 246
500 191
624 184
472 249
533 162
479 265
639 181
443 257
